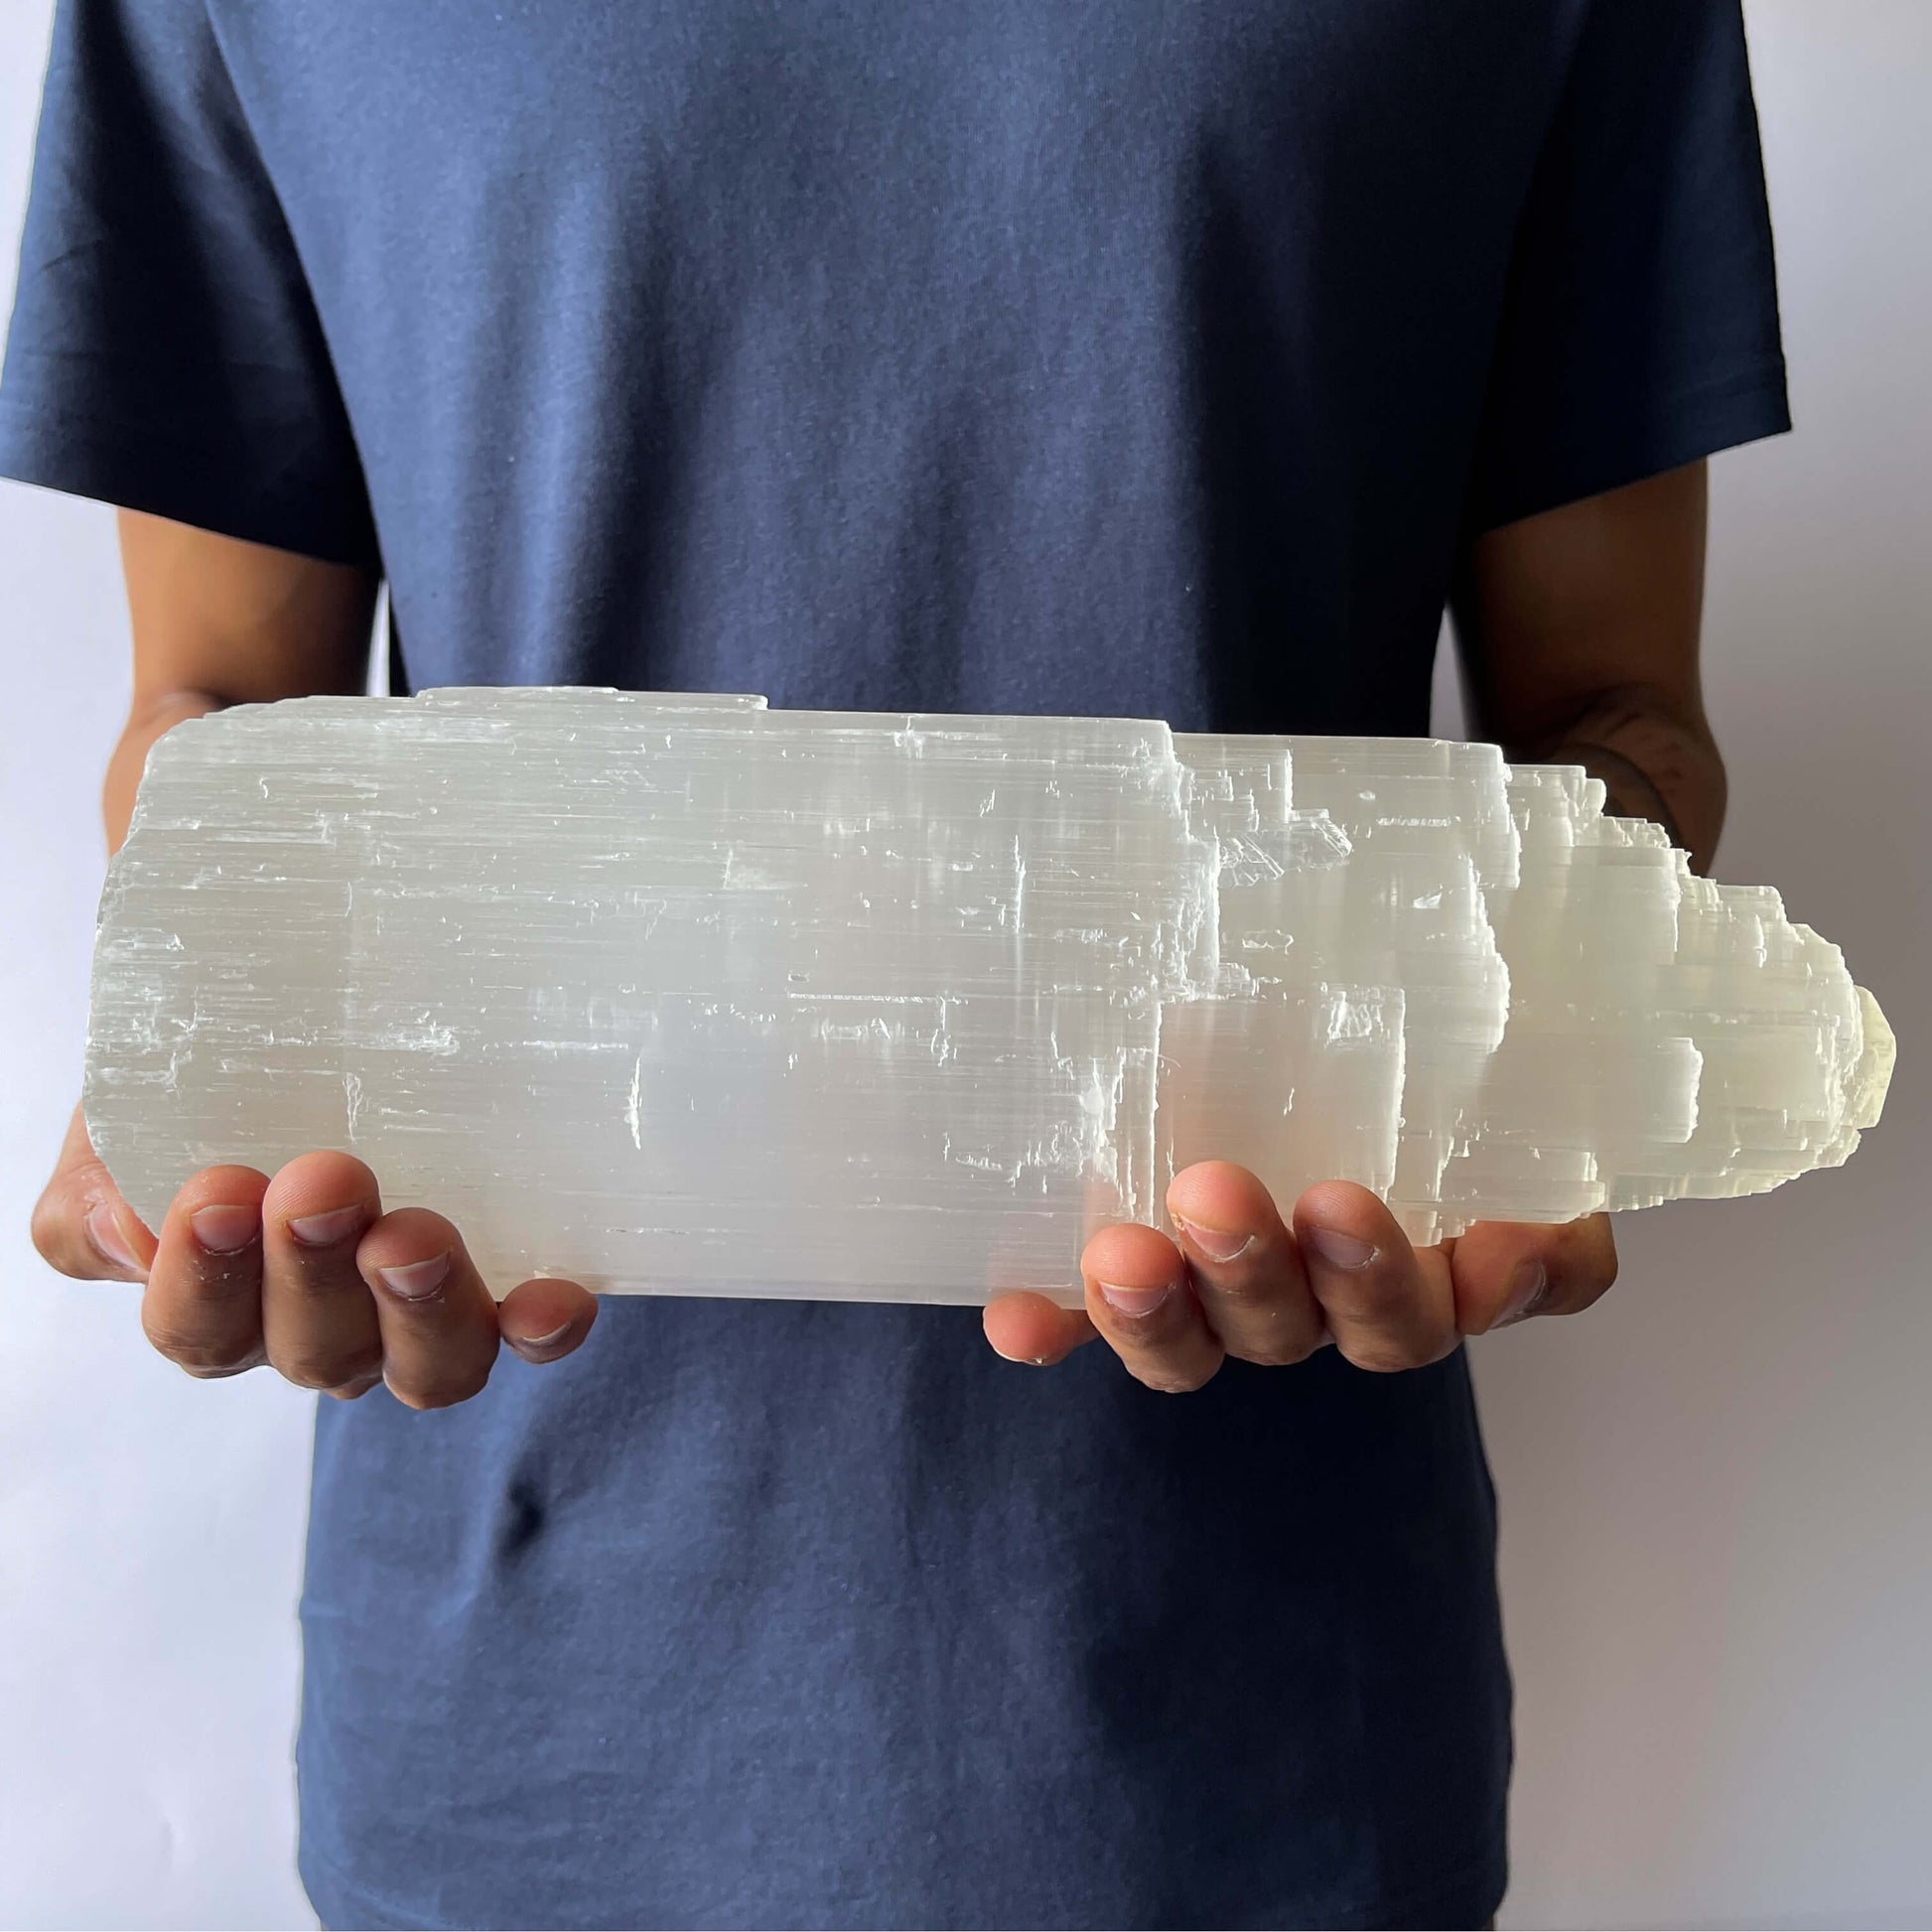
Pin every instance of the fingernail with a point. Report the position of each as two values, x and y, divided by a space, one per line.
1527 1287
324 1230
418 1280
1133 1302
545 1342
104 1231
1339 1250
225 1230
1218 1244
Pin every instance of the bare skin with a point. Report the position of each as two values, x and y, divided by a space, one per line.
1579 636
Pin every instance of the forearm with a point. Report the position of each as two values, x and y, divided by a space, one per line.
1579 631
217 621
145 724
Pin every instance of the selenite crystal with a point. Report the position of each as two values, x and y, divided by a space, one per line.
682 993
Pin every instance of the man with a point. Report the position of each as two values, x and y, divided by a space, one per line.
977 356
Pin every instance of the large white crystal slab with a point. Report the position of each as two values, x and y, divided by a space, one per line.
681 993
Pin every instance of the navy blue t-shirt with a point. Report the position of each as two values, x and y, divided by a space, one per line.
956 355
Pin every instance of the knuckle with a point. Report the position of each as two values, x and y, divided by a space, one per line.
1172 1382
176 1344
1171 1371
201 1356
437 1390
1277 1352
328 1368
215 1371
1384 1355
202 1352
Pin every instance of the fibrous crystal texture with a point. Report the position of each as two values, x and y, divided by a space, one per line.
682 993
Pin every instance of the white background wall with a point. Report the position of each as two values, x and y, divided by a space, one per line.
1716 1489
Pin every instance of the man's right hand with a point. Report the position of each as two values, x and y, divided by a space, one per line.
305 1274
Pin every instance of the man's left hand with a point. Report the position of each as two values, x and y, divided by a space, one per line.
1244 1281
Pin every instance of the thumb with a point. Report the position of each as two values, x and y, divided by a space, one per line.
81 1226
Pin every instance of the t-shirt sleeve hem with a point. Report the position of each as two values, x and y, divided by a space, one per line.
1692 425
140 469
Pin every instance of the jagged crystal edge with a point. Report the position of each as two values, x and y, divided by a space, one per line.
679 993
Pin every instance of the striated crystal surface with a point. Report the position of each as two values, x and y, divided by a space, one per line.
682 993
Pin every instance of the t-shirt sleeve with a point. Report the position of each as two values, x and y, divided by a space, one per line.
1640 327
165 353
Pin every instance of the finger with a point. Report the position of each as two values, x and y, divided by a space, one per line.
1247 1272
440 1331
203 1305
1505 1272
1388 1307
1141 1300
319 1321
1030 1329
546 1319
80 1225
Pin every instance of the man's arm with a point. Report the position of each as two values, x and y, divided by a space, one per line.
1579 636
1579 631
303 1271
217 621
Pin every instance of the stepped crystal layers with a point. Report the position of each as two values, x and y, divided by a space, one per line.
681 993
